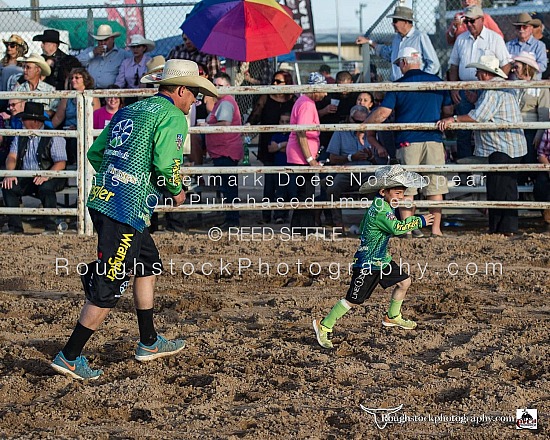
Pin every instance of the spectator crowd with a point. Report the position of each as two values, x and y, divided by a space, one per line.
479 53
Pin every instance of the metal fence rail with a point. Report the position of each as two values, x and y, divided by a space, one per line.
85 133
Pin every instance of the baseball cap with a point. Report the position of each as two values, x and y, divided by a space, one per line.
407 52
473 12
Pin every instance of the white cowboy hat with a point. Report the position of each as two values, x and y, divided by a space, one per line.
391 176
527 58
155 64
39 61
105 31
488 63
181 73
139 40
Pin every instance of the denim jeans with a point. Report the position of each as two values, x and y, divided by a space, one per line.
463 137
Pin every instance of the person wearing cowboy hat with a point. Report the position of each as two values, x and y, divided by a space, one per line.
132 69
372 263
34 153
534 104
16 47
467 49
35 70
137 159
62 62
526 42
406 35
103 60
500 146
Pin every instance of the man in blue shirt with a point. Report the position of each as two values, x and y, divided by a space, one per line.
406 35
525 42
417 147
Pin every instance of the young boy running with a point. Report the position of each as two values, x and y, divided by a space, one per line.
372 263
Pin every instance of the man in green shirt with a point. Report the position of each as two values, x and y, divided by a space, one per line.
137 158
372 263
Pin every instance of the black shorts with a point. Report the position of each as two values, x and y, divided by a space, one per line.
121 251
364 281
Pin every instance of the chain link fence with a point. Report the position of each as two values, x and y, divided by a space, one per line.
160 22
434 17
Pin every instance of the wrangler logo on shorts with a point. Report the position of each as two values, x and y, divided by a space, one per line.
115 263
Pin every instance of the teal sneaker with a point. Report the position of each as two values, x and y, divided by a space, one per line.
160 348
77 369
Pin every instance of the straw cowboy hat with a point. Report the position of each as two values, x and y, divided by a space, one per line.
139 40
402 13
524 19
105 31
181 73
391 176
39 61
488 63
49 36
155 64
17 40
527 58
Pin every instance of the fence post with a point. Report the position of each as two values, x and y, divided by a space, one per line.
90 26
88 170
81 163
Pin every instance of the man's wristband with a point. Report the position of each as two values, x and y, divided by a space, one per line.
310 159
350 158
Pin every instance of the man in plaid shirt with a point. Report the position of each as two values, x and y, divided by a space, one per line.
188 51
500 146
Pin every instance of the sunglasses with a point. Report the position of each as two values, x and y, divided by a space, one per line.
522 26
356 120
396 20
13 104
470 20
194 90
278 81
12 45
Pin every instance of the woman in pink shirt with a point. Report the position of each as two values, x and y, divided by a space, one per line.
104 114
302 149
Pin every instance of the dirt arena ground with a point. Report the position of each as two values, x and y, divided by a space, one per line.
252 367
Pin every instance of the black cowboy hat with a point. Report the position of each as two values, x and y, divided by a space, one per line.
49 36
33 110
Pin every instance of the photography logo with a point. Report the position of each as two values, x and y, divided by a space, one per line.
381 414
526 418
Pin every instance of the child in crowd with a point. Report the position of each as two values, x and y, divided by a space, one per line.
372 263
277 145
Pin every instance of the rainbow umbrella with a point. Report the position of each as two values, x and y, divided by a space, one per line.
243 30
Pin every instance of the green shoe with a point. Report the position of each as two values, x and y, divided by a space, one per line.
398 321
322 334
